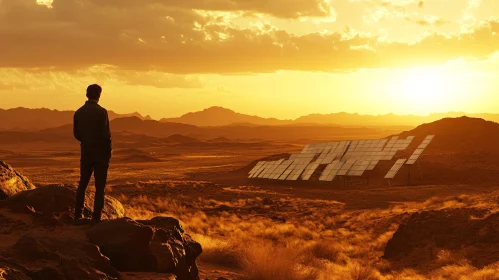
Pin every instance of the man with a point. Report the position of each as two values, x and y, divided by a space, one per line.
91 128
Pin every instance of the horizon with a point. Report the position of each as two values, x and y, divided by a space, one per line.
264 117
276 61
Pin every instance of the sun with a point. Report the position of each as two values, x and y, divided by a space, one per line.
425 90
47 3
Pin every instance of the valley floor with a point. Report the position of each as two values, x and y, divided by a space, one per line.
258 230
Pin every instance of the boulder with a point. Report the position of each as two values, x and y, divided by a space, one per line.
58 201
135 247
168 224
126 243
45 257
12 182
172 226
467 233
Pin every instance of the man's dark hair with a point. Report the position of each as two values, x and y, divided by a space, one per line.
94 91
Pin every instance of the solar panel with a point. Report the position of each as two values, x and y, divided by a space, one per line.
358 168
277 172
286 173
419 151
260 171
272 170
269 169
329 158
264 170
346 166
256 167
372 165
309 170
296 172
395 169
335 168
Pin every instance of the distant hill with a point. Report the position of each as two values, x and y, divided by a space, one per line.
180 139
38 119
459 135
23 119
348 119
219 116
220 139
133 129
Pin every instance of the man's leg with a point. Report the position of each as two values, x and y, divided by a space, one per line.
86 169
100 176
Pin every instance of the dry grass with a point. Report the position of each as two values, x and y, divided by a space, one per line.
318 240
265 261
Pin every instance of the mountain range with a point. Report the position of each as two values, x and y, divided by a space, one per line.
23 119
132 127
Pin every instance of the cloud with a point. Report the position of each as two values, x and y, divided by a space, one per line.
428 20
35 79
153 37
278 8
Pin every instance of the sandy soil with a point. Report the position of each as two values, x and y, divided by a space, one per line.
208 191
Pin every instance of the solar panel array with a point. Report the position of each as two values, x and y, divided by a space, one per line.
419 151
395 169
345 158
331 171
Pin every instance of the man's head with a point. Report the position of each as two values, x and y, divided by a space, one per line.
93 92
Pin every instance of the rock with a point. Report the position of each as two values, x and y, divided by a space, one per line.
419 240
8 225
135 247
46 257
172 226
126 243
10 270
58 201
12 182
192 248
168 224
268 201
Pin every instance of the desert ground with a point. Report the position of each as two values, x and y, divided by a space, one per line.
256 229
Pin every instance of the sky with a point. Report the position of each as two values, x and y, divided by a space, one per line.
272 58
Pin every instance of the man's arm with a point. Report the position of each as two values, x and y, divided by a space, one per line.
107 134
76 132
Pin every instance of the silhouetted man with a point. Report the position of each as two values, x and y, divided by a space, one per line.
91 128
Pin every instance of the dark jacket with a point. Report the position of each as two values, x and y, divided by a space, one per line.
91 128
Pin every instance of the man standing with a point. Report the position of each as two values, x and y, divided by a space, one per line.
91 128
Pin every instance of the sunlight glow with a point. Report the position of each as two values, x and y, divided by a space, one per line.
425 90
47 3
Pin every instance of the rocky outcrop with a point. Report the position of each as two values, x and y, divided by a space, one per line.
173 227
133 246
48 257
94 252
12 182
467 233
58 200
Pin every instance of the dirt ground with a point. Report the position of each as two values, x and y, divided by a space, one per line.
253 229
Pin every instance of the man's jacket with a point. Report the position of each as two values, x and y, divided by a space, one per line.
91 128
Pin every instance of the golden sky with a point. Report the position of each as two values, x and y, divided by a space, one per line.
273 58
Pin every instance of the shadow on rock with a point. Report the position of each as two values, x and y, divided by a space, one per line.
57 201
133 246
46 257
